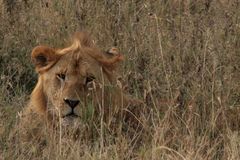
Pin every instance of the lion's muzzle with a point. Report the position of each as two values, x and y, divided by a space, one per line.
72 104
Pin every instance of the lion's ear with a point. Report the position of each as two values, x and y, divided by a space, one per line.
113 57
43 58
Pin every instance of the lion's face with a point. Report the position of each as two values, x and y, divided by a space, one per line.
68 83
69 79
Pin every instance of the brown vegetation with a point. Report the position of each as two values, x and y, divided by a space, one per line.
181 58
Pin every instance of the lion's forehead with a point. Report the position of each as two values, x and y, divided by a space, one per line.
76 65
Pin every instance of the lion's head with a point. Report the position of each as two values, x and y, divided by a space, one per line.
72 78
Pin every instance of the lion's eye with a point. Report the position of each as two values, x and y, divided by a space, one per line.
61 76
89 79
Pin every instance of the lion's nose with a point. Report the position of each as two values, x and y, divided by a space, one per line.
71 103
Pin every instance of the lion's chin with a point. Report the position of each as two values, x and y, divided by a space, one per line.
70 121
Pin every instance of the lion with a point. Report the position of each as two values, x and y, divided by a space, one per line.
75 84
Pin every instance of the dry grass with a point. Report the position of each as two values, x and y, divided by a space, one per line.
182 59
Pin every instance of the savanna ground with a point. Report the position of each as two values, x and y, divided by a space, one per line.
181 57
